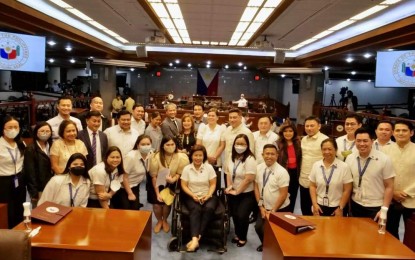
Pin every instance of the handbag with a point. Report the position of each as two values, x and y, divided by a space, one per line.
167 195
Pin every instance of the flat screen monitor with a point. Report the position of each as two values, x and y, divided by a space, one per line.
395 69
20 52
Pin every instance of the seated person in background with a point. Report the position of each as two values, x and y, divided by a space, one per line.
271 188
71 188
331 182
198 181
384 131
65 146
117 105
106 178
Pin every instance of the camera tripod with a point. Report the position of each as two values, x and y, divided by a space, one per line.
333 100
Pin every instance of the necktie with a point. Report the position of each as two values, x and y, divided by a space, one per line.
175 123
94 147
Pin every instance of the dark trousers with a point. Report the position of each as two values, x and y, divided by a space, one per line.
293 188
200 215
396 210
93 204
363 212
259 225
121 201
305 201
327 211
241 207
14 197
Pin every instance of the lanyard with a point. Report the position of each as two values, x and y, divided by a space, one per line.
234 170
377 146
111 177
14 158
344 145
361 172
325 177
70 195
265 181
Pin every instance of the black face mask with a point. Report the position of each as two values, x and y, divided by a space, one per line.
77 170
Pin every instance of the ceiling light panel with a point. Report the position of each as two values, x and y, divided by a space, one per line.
368 12
253 17
170 14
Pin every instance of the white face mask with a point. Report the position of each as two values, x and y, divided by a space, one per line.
145 149
11 134
43 137
240 149
170 149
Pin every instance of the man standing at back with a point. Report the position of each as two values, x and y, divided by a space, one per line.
96 141
198 115
346 143
311 153
129 103
171 125
402 154
64 107
137 122
263 136
96 105
373 177
384 131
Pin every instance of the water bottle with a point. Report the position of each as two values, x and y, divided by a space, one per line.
382 220
27 217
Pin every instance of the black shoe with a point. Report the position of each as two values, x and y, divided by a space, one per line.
259 249
239 244
235 240
252 219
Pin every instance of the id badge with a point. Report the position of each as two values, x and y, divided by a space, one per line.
16 181
358 194
326 201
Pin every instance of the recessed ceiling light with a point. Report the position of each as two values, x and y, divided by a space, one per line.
51 60
207 65
170 64
326 68
282 75
51 43
353 72
68 48
244 67
240 64
72 60
226 66
132 69
367 55
177 61
208 62
348 79
91 57
369 80
349 60
189 65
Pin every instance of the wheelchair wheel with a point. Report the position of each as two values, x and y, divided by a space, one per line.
173 244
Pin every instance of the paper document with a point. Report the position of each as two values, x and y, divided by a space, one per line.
161 176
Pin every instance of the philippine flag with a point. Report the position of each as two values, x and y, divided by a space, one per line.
207 82
9 52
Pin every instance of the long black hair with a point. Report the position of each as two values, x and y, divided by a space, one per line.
161 149
20 145
247 152
37 127
72 158
108 168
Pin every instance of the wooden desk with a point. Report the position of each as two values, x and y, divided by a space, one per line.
87 233
334 238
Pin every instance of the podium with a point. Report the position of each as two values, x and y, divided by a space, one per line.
334 238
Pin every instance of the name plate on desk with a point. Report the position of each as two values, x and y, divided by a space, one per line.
290 222
50 212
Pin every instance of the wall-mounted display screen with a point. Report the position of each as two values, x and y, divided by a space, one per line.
395 69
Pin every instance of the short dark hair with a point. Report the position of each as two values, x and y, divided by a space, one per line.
315 118
267 117
92 113
137 105
355 116
236 110
329 140
141 137
407 123
363 130
155 114
122 113
385 122
72 158
270 146
200 105
64 124
196 148
213 110
247 151
64 97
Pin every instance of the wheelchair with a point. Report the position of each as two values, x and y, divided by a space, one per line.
216 233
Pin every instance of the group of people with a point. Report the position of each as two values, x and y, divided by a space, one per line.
85 162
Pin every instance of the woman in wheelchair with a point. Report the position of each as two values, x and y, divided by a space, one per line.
198 181
240 174
166 166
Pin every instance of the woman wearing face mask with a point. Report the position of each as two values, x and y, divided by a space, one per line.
106 178
170 163
240 174
136 165
36 162
12 186
71 188
65 146
154 131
